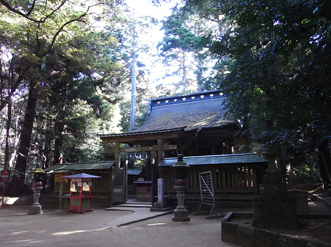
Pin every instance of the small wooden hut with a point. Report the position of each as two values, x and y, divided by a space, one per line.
102 188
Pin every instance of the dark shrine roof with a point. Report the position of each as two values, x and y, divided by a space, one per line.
184 112
195 111
80 166
244 158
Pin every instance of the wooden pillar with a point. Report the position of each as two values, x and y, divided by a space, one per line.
117 163
125 180
61 195
159 150
155 169
196 144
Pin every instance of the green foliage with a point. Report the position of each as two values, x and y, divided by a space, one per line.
56 55
306 174
280 72
177 35
277 75
279 80
79 94
185 45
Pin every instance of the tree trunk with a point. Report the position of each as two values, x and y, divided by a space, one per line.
16 186
9 119
324 160
47 152
184 71
283 156
199 74
59 127
133 87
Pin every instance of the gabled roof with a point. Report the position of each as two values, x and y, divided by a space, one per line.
244 158
190 112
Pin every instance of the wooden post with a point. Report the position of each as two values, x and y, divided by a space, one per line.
3 194
159 150
155 169
125 181
60 195
117 155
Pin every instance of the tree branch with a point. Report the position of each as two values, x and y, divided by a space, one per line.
64 25
32 7
27 15
60 30
56 9
10 8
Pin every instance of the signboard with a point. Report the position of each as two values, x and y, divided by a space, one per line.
58 179
160 189
5 176
81 179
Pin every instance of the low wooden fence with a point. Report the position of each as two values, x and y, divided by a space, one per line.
230 181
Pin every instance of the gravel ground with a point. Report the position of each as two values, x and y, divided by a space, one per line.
59 228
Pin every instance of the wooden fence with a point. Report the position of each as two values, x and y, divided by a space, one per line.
231 181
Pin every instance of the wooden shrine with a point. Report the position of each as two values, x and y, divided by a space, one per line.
80 192
193 125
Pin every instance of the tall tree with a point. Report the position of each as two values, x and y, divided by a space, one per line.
10 81
186 42
279 80
133 33
133 81
32 29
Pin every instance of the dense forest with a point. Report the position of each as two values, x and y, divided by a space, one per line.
72 69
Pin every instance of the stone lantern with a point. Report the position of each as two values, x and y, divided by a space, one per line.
37 186
180 213
273 208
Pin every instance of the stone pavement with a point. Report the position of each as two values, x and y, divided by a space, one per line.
139 213
116 226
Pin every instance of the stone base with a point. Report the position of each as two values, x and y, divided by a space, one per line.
301 200
275 213
180 215
181 219
247 235
36 209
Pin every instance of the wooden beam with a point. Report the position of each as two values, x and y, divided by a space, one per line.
141 149
131 138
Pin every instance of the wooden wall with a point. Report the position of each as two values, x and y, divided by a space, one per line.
230 181
101 188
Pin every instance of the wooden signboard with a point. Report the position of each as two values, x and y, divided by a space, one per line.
58 179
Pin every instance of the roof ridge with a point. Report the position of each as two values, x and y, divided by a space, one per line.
212 93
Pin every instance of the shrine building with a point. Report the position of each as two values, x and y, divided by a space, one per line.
195 126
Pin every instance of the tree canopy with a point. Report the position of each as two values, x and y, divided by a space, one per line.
278 81
67 67
56 63
65 75
186 37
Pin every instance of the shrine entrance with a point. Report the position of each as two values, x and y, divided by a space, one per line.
141 167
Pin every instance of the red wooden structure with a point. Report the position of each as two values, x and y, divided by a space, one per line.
80 192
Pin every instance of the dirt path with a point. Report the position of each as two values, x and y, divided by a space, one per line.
56 228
